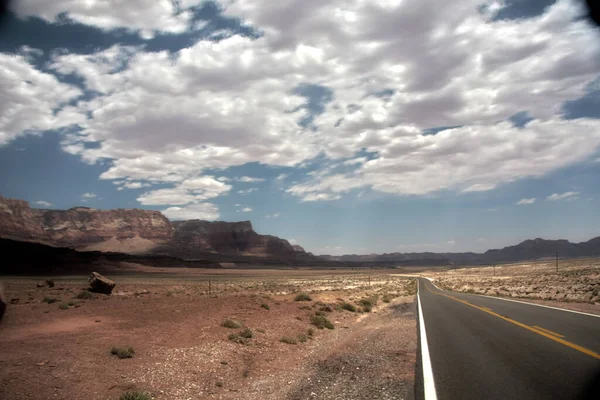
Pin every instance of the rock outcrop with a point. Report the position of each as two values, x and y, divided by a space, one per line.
17 220
100 284
227 238
135 231
82 228
298 248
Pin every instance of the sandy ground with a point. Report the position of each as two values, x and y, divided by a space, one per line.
173 322
576 285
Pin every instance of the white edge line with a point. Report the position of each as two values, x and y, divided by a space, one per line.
428 382
522 302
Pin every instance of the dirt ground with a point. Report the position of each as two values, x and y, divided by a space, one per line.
174 323
575 286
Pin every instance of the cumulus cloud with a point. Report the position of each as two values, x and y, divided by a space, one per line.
166 118
204 211
132 185
526 201
480 187
88 196
192 190
247 191
249 179
246 209
43 203
30 98
563 196
146 16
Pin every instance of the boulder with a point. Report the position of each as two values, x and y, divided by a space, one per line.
45 283
100 284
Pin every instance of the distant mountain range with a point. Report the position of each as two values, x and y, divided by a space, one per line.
528 250
145 236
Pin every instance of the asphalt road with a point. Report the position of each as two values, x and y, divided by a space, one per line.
487 348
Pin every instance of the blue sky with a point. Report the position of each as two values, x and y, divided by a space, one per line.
344 126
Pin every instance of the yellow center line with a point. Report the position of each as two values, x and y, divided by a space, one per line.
486 308
548 331
551 336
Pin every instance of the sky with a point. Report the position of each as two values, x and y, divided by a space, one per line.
345 126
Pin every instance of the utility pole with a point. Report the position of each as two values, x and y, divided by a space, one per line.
557 261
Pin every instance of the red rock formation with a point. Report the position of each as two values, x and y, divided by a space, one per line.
228 238
137 231
84 228
81 226
17 220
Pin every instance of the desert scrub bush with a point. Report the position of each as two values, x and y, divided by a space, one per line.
260 330
135 396
63 306
265 306
310 332
84 295
288 340
304 308
246 333
49 300
231 324
387 298
348 307
302 338
367 305
326 308
219 383
122 352
302 297
321 322
411 288
237 338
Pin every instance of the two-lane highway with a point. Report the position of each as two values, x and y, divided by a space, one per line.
487 348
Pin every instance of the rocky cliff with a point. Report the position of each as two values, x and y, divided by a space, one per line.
196 236
17 220
142 232
82 228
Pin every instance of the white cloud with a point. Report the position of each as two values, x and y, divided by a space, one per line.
163 117
320 197
281 177
88 196
192 190
247 191
204 211
480 187
147 16
133 185
43 203
451 242
526 201
249 179
274 215
246 209
30 98
563 196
